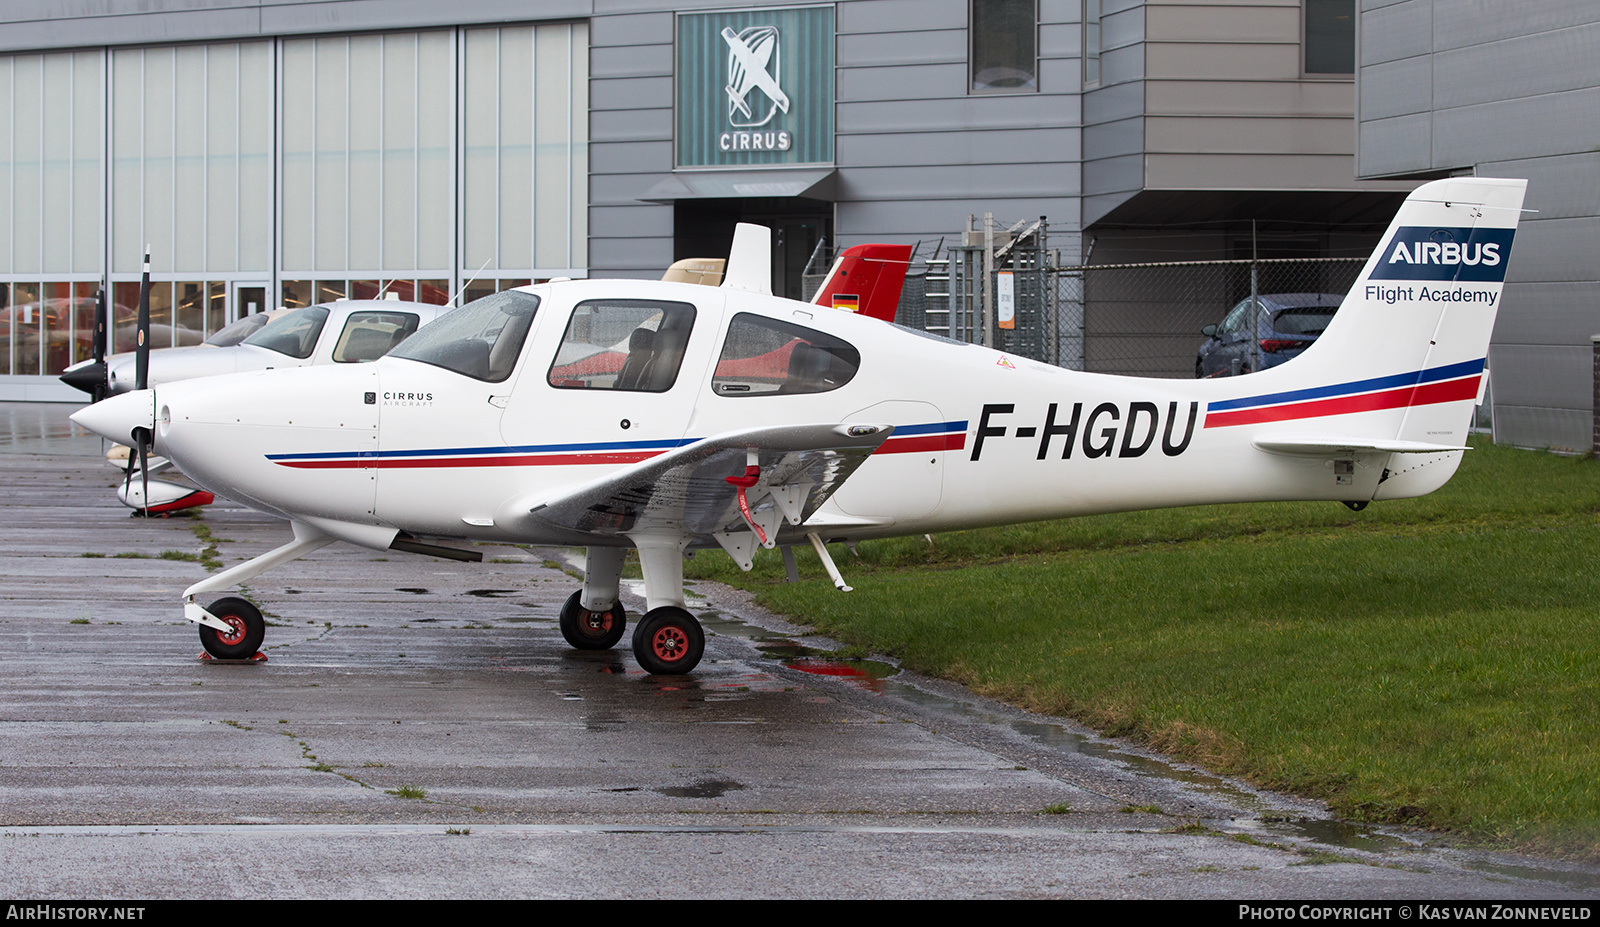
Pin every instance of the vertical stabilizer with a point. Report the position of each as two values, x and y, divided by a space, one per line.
1404 358
867 279
750 259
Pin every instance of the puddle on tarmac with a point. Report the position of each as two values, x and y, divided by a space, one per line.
491 593
708 788
414 590
1571 879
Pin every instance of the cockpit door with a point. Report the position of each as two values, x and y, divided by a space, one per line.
620 385
441 397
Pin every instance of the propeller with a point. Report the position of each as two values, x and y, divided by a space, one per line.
91 376
142 437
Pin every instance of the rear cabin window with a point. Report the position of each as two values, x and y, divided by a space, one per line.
369 335
635 345
766 357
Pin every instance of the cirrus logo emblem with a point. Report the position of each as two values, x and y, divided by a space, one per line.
753 65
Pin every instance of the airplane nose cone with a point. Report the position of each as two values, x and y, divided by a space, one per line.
117 416
89 376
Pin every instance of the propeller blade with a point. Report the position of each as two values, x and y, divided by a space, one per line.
127 479
142 370
98 345
102 326
144 471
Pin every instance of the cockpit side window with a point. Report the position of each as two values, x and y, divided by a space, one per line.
481 340
294 333
766 357
623 344
369 335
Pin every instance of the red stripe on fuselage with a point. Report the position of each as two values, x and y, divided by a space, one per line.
921 444
526 460
1426 394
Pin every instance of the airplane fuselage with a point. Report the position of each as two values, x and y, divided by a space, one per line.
981 437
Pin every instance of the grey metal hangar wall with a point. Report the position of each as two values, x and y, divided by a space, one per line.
858 120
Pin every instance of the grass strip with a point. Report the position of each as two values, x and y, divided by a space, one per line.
1432 661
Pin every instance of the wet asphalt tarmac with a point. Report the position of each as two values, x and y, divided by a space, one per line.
420 730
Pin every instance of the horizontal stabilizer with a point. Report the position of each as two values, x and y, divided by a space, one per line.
1343 446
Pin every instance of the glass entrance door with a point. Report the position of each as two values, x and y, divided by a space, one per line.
249 298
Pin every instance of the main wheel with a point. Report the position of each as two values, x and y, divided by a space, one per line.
590 630
668 641
247 626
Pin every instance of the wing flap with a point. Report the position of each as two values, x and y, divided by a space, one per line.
1345 446
685 492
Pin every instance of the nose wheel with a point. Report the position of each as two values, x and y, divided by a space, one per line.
592 630
246 630
668 641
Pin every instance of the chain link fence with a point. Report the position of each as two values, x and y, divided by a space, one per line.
1132 319
1143 320
1146 319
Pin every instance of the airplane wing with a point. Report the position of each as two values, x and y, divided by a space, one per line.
686 492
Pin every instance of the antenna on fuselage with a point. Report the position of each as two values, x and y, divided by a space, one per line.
469 281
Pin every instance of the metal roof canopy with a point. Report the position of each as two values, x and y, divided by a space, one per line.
1318 210
702 185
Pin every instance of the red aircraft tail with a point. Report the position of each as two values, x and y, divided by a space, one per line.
867 279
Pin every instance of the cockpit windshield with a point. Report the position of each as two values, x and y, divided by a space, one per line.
293 333
482 339
230 335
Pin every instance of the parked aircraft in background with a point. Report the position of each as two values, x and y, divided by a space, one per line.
344 332
867 279
739 420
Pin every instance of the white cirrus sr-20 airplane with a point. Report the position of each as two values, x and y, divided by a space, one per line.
739 420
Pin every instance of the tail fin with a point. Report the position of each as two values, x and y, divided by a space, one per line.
1402 364
867 279
1404 359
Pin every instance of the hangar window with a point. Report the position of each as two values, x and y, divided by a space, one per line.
766 357
1004 40
1330 37
1091 43
625 344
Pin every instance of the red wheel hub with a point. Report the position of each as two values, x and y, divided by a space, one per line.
596 623
669 643
235 634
